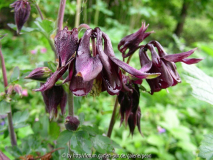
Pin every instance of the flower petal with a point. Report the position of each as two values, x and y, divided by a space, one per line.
71 70
191 60
133 71
66 43
79 87
139 74
111 73
54 78
132 41
87 67
53 97
179 56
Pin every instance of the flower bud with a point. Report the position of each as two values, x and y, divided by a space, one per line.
22 12
18 89
40 73
71 123
10 90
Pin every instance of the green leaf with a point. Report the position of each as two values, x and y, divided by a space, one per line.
188 146
51 65
2 36
207 49
84 142
44 120
23 30
2 128
206 147
77 103
64 137
20 116
4 107
91 130
54 130
20 125
15 75
104 144
155 140
200 83
45 26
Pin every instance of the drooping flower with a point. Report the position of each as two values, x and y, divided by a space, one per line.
54 97
101 61
88 67
132 41
22 12
128 99
164 64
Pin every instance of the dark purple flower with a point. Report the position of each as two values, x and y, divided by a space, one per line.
132 41
71 123
164 64
40 73
100 61
22 12
66 43
54 97
128 99
95 70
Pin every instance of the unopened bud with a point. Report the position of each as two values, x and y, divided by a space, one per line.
71 123
10 90
40 73
18 89
22 12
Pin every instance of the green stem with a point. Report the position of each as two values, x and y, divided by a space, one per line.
70 103
9 115
112 121
39 11
78 13
96 14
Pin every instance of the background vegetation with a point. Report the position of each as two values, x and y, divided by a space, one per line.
178 25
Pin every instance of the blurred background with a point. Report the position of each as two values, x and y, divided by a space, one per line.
173 121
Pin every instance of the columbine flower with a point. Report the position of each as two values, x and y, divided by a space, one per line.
22 12
132 41
128 99
54 97
164 64
102 63
101 66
